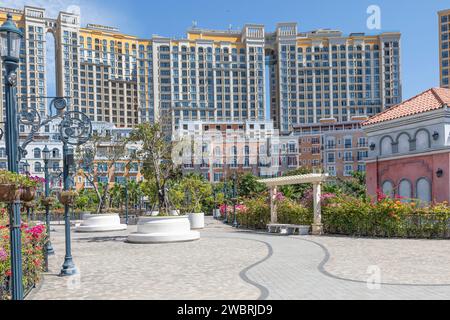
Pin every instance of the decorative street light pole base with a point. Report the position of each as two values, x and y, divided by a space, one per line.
50 250
68 269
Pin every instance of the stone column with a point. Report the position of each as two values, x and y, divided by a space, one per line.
317 227
273 206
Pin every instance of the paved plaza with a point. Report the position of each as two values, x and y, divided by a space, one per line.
229 264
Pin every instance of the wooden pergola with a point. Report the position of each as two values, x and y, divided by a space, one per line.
315 179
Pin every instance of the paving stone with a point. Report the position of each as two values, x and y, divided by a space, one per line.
230 264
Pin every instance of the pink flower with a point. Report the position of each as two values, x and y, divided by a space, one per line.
280 196
3 255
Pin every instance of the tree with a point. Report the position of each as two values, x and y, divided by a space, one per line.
356 185
193 191
108 148
297 191
156 156
248 185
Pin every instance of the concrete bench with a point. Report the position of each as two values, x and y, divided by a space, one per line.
288 229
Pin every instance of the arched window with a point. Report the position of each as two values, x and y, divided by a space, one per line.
386 146
37 167
405 190
422 140
388 189
37 153
423 190
403 143
55 153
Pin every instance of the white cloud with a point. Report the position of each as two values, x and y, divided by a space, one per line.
52 7
88 11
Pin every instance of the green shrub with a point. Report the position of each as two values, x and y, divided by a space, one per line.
385 218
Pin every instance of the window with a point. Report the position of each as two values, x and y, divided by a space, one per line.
423 190
332 171
388 189
37 167
348 170
331 157
37 153
405 190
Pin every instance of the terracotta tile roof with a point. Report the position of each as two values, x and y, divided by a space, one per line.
432 99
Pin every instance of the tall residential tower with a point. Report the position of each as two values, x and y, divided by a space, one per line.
325 75
444 38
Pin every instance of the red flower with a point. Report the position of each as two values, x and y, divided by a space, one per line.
8 273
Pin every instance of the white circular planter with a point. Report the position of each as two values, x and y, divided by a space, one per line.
197 220
216 213
154 213
174 212
100 223
163 230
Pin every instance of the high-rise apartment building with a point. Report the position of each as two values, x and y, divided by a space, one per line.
444 52
323 74
118 78
209 75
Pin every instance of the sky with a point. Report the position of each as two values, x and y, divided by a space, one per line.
416 19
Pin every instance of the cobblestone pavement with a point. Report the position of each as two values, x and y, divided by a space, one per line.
229 264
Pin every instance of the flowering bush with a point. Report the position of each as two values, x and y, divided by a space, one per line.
385 217
255 213
33 240
31 182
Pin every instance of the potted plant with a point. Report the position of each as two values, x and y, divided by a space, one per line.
29 204
9 186
68 197
196 191
28 187
47 201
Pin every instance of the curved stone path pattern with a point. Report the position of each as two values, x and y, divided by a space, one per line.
230 264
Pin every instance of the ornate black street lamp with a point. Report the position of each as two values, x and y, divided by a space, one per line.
48 246
11 38
225 196
235 223
75 129
26 170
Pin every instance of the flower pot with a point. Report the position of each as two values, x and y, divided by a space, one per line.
154 213
29 204
66 198
9 193
163 230
47 201
27 194
197 220
174 212
216 213
100 223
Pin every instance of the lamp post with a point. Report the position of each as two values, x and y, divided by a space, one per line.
235 223
48 246
68 267
75 129
11 38
225 196
26 170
